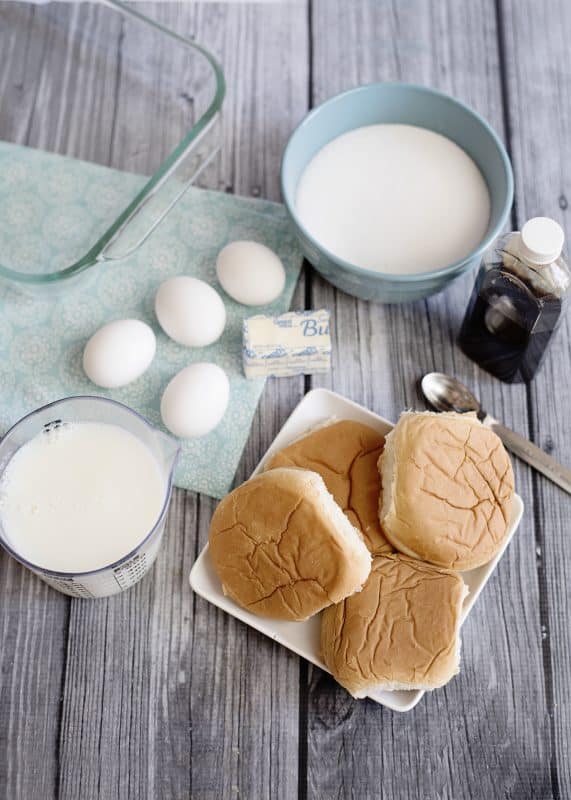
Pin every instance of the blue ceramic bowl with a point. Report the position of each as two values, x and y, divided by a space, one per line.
406 104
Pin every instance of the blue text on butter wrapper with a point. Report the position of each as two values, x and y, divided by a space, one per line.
310 327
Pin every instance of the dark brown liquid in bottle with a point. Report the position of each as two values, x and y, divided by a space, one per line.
507 327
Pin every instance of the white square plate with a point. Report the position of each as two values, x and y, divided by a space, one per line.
303 637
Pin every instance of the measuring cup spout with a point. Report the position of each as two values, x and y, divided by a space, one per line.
170 448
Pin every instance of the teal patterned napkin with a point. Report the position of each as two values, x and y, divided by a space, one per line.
41 340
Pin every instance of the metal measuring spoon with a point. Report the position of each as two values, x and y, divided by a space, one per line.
444 393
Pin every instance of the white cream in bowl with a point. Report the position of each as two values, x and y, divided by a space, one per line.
394 198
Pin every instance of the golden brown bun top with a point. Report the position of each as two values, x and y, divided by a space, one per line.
345 454
282 548
448 489
399 632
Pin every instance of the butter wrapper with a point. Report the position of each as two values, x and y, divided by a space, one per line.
295 343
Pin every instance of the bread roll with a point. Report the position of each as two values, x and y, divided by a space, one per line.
283 548
400 632
345 454
447 492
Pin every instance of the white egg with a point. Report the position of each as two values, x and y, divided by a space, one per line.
119 353
190 311
250 273
195 400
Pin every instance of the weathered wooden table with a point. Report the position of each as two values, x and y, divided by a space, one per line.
155 694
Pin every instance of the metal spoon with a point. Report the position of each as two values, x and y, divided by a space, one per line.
444 393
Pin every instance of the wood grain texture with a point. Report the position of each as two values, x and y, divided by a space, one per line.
162 695
157 694
492 721
33 630
540 143
194 706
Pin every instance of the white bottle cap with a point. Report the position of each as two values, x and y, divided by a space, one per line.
542 240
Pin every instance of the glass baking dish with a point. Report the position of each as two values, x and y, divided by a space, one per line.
102 82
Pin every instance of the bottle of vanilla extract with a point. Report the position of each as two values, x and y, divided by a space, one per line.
518 301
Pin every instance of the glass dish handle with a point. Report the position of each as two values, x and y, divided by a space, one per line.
159 196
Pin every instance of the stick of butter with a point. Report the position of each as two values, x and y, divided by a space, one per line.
294 343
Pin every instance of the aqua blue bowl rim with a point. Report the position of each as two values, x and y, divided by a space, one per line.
411 277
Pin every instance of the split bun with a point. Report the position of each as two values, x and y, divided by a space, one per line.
283 548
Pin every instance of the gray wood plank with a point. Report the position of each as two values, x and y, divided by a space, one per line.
146 713
245 689
33 628
84 78
163 695
33 618
538 87
487 733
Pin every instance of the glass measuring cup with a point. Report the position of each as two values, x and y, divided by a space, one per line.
131 567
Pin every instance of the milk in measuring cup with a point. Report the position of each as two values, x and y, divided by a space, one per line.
80 496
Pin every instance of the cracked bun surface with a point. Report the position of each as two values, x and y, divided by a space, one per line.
345 454
400 632
447 491
283 548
